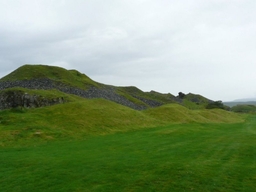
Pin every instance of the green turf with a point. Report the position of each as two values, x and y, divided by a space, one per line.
178 157
176 113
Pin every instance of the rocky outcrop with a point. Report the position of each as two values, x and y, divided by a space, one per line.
149 102
107 92
13 99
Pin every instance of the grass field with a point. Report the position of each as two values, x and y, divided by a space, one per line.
179 157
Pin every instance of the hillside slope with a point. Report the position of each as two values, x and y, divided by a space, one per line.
73 82
175 113
43 77
43 103
69 77
84 117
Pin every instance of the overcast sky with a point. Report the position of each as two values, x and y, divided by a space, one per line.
206 47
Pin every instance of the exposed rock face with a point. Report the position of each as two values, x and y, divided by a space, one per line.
149 102
12 99
47 84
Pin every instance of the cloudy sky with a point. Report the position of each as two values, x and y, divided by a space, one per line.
204 47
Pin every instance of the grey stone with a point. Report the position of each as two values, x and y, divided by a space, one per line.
26 100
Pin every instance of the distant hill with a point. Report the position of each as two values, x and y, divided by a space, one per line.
44 79
244 108
234 103
245 100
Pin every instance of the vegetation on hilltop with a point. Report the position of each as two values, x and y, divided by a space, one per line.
69 77
193 101
147 99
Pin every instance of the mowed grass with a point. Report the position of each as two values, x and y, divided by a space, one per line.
178 157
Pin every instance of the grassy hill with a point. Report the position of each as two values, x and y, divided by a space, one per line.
179 114
69 77
95 144
83 117
77 80
78 116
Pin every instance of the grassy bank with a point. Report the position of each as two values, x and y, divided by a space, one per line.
79 119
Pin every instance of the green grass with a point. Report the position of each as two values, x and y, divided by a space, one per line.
83 117
178 114
177 157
